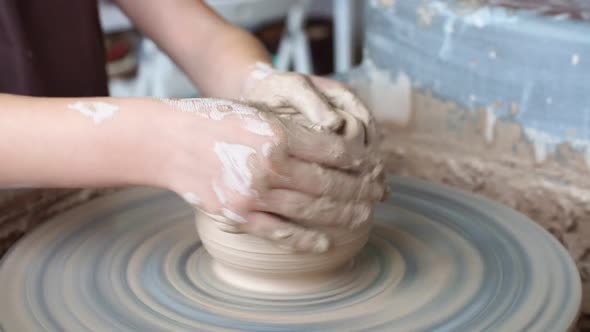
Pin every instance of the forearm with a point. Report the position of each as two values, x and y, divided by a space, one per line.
60 142
216 55
230 60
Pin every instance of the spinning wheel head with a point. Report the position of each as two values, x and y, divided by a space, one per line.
437 259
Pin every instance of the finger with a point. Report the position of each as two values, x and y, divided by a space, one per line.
285 234
319 181
353 129
344 99
347 102
303 97
355 134
341 97
324 149
313 211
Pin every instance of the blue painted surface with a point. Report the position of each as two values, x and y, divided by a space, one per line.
486 55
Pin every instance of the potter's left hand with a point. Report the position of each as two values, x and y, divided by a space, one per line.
319 103
323 103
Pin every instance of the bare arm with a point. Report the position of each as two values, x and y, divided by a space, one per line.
49 142
222 59
216 55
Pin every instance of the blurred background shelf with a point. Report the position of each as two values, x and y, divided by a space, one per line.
315 37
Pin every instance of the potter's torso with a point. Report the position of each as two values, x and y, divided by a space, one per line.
51 48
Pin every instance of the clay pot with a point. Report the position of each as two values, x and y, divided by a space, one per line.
259 265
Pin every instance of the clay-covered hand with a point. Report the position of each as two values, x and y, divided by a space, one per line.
322 103
258 173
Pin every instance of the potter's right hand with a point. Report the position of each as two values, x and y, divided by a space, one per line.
257 173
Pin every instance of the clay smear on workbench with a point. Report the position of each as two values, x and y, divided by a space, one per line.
572 9
444 142
23 209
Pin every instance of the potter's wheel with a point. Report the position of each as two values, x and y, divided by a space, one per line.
438 259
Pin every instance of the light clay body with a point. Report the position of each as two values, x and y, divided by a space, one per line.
259 265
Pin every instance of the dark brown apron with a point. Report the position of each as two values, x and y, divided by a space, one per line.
51 48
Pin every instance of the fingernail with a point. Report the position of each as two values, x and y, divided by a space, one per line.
192 198
321 245
281 234
361 215
231 215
